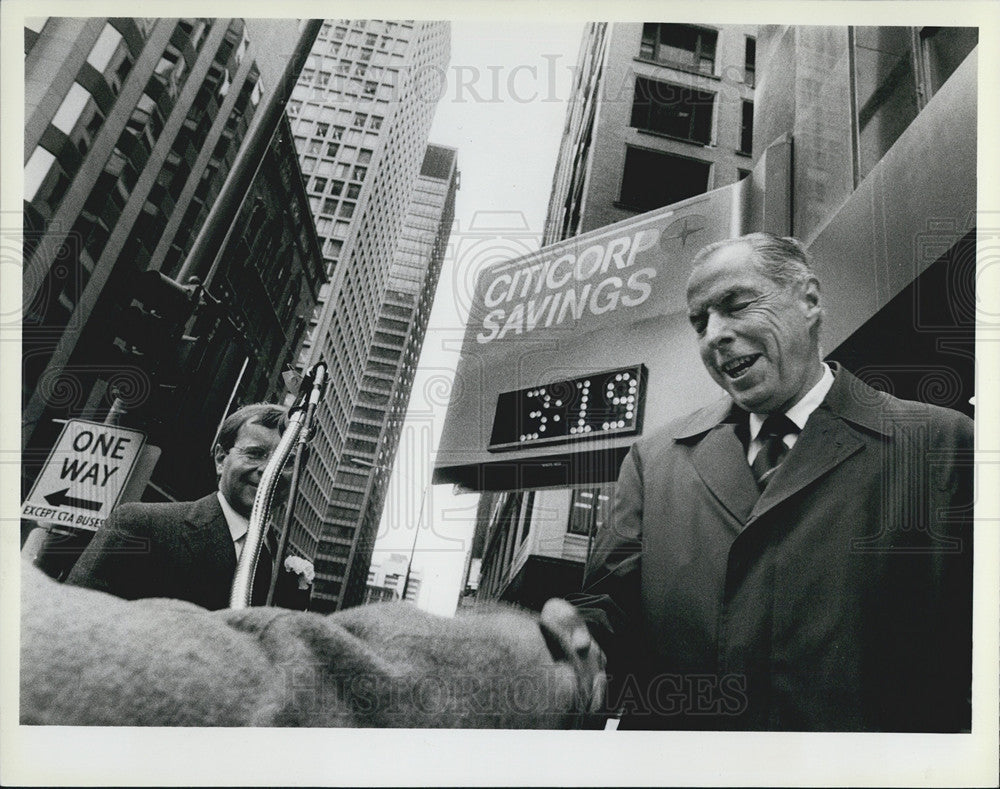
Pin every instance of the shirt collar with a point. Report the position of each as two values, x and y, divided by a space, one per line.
800 412
238 525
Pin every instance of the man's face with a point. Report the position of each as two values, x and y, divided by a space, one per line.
754 335
240 468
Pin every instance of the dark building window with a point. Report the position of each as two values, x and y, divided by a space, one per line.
682 46
944 48
750 61
588 510
885 87
673 110
654 179
746 128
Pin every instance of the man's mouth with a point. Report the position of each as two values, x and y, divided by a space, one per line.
734 368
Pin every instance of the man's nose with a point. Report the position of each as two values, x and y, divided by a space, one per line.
717 331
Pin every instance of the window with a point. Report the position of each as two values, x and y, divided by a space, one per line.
71 108
885 88
360 119
375 123
336 187
652 179
338 132
329 206
353 190
681 46
104 48
347 210
364 156
672 109
746 128
35 170
315 146
750 61
360 173
332 148
943 49
318 184
589 509
322 129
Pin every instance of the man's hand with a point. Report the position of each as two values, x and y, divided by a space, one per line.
569 641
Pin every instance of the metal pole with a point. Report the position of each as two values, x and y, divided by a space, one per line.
317 381
416 534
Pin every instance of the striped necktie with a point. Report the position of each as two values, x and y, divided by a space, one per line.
773 449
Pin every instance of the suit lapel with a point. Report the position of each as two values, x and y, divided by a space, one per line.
207 536
720 460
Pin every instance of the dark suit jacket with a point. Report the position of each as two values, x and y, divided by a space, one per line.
181 550
840 599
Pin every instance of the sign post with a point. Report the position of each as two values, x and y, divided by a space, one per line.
85 474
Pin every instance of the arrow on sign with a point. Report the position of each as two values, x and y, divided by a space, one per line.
59 498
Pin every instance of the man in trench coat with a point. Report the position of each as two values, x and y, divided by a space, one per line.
817 576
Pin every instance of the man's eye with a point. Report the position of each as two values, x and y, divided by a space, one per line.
698 323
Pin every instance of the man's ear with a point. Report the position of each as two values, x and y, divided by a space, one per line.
812 307
219 454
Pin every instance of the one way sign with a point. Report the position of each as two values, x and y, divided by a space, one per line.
85 474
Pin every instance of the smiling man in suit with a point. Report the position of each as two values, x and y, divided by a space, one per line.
189 550
797 556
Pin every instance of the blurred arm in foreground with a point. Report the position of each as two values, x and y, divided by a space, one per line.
88 658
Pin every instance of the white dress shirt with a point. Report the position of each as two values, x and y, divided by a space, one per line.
238 525
798 413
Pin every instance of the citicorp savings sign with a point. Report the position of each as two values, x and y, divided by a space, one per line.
560 334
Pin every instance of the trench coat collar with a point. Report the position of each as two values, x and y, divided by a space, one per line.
829 438
848 399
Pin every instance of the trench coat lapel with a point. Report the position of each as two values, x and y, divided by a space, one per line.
826 442
207 536
719 457
830 437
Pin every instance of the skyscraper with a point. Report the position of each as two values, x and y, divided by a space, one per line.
360 114
131 129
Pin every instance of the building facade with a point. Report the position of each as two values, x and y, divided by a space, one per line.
659 113
360 115
377 421
131 128
881 188
386 579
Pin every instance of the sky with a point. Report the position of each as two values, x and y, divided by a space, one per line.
503 108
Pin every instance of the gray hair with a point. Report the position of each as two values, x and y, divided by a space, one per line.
783 260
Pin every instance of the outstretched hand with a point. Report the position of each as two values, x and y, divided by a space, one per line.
569 641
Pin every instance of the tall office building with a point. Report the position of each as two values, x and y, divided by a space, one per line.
659 113
377 421
881 189
131 129
387 577
360 113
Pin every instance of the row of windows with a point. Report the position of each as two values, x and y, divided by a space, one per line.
690 48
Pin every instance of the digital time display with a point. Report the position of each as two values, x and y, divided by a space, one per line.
594 405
